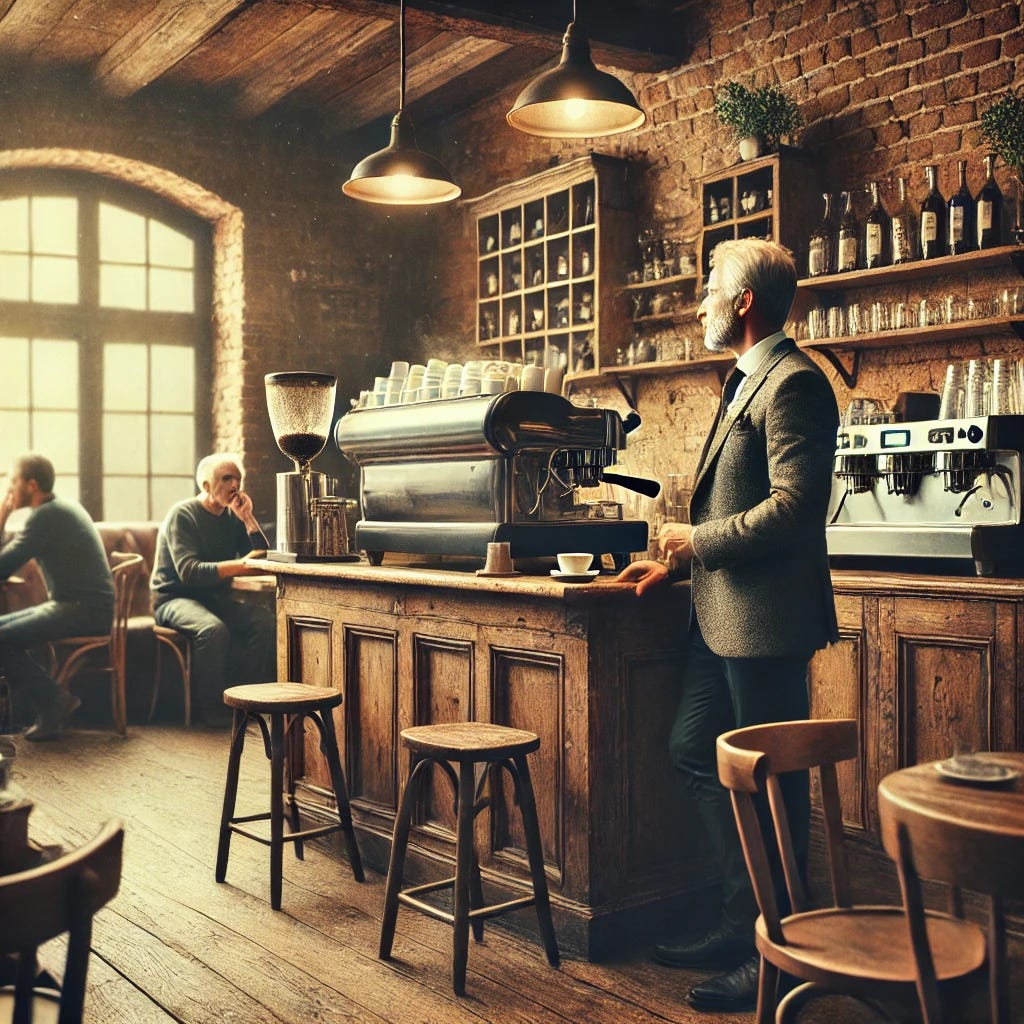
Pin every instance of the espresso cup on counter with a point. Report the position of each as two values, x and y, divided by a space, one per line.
574 563
532 378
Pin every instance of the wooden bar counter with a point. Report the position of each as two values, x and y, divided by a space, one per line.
592 669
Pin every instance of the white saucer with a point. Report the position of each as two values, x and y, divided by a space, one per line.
976 771
574 577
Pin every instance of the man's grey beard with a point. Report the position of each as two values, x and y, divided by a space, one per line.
721 332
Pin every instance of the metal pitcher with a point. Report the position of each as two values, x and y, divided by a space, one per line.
330 529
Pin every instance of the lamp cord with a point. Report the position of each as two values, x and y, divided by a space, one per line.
401 53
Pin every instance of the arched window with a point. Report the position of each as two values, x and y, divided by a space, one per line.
104 339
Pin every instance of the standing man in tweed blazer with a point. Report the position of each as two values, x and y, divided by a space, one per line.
761 591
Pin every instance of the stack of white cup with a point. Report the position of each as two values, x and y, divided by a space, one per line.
395 382
451 380
413 383
433 378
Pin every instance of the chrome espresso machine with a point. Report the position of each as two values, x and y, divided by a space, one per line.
945 491
448 477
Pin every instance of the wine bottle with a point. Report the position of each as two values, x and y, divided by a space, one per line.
933 217
848 232
904 229
876 232
961 216
990 209
821 245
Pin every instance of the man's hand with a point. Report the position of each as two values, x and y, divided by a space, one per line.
645 574
241 505
675 541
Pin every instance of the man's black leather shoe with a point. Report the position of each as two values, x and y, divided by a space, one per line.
717 950
732 992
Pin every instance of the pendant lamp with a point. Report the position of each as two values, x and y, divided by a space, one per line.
402 174
575 100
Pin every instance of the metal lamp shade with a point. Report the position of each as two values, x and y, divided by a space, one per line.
575 100
402 174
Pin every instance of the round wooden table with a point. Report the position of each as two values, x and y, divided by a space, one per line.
986 807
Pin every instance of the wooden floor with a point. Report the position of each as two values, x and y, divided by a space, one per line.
176 946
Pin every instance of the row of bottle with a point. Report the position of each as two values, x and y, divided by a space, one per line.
939 227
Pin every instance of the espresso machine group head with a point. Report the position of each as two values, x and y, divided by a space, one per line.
301 407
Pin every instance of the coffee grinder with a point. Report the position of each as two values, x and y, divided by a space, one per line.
301 407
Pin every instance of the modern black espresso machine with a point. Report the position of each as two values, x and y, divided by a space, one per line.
448 477
941 493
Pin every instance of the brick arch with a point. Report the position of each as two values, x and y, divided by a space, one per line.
226 224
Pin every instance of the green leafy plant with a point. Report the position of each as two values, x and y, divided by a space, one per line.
765 110
1002 127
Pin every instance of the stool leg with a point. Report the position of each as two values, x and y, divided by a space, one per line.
329 746
276 807
399 843
291 806
528 810
465 854
230 791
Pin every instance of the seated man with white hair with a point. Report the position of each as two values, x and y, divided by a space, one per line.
201 545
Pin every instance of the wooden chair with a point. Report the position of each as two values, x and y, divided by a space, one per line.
44 902
860 951
984 859
180 646
71 653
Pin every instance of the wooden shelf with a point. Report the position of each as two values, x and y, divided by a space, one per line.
983 259
679 316
660 367
661 282
920 335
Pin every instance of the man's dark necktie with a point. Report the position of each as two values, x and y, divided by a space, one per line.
731 386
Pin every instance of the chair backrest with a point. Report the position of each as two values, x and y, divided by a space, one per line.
127 568
986 859
749 762
47 901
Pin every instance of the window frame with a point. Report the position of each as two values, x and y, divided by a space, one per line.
92 326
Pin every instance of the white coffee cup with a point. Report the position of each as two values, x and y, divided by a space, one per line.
399 369
532 378
575 563
553 378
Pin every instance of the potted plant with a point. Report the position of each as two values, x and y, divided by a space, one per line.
1002 127
758 116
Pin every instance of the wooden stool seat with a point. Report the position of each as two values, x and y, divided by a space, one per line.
467 744
295 702
281 698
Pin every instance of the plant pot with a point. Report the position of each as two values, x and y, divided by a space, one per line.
751 147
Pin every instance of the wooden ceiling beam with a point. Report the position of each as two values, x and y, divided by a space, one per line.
623 33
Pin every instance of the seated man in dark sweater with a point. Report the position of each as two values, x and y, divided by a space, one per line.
200 547
62 538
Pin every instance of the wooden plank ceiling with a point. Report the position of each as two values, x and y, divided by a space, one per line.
335 61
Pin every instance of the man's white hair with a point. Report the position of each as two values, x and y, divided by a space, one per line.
204 471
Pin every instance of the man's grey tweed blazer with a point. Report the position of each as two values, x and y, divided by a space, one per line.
760 578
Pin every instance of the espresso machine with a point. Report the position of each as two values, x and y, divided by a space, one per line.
301 407
941 493
448 477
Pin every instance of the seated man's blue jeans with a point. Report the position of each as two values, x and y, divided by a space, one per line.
30 684
232 642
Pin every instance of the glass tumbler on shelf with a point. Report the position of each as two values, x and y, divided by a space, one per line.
951 404
976 391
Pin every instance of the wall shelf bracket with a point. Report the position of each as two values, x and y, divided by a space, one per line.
849 375
629 393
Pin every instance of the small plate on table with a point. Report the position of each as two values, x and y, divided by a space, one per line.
976 771
574 577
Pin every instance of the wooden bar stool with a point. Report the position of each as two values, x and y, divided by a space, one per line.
467 744
278 702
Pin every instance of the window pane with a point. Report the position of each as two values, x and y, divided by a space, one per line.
124 444
170 248
54 374
14 363
14 224
54 279
168 491
124 498
14 278
55 434
172 378
14 439
171 290
124 377
69 487
122 235
123 287
171 449
55 225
